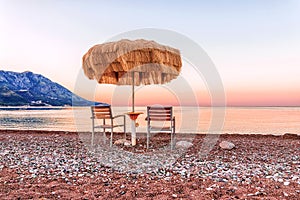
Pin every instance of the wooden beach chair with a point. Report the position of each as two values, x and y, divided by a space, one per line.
163 114
104 113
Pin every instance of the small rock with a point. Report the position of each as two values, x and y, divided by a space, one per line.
183 144
127 143
226 145
120 141
174 195
255 194
223 180
6 152
286 183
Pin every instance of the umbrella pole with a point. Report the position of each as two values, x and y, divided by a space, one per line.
132 91
133 128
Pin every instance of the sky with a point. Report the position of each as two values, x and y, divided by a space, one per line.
254 44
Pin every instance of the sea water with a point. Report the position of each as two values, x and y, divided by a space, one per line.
242 120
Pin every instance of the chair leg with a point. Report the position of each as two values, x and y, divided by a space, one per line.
93 133
124 133
111 137
148 138
92 140
104 136
172 140
124 127
173 135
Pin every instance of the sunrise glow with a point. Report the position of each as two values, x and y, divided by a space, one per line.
256 58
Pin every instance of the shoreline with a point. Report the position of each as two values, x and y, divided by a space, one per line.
59 164
25 131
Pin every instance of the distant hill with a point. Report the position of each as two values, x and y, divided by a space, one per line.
27 88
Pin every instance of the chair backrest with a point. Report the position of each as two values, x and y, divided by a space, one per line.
101 112
159 113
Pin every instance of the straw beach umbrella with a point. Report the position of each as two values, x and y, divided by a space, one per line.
127 62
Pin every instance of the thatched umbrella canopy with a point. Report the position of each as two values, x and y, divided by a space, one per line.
127 62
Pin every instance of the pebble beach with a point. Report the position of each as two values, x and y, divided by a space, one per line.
63 165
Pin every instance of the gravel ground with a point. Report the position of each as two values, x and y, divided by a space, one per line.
53 165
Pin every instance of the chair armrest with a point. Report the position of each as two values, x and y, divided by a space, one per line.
117 116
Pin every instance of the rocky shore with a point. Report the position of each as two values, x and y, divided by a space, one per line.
53 165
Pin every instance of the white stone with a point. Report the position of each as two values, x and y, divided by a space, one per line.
183 144
127 143
286 183
6 152
226 145
121 141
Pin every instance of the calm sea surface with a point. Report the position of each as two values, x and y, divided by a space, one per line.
243 120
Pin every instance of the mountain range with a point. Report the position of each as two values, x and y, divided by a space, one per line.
29 89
